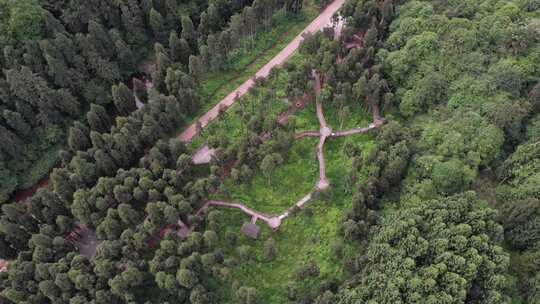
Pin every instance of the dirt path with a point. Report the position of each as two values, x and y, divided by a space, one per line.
307 134
272 221
323 20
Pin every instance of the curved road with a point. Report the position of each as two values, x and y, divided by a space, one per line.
322 21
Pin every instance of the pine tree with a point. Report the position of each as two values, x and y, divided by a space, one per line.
98 119
124 56
188 32
157 24
100 39
179 48
123 99
172 13
15 121
78 137
64 102
195 68
12 145
133 21
204 25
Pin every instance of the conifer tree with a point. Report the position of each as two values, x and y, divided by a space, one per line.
98 119
157 24
16 122
123 98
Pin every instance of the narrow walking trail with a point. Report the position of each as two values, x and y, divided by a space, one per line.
325 132
272 221
322 21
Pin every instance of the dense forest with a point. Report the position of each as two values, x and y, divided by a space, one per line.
440 203
69 64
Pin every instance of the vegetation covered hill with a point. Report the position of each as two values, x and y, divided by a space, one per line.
440 204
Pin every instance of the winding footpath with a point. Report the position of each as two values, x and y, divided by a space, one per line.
325 132
322 21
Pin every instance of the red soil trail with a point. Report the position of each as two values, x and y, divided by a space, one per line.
22 195
324 133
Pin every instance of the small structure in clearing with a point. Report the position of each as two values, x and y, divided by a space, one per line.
203 155
251 230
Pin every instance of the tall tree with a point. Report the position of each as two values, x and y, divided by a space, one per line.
78 137
124 100
157 24
180 49
98 119
188 32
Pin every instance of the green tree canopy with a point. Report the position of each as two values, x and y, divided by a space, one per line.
438 251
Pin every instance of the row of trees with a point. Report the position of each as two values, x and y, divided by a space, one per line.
95 152
127 209
50 81
377 174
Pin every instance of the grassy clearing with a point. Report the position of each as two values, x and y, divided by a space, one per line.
292 181
231 127
308 236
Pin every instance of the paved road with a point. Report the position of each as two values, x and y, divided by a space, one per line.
322 21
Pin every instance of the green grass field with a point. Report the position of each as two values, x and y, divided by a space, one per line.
307 236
